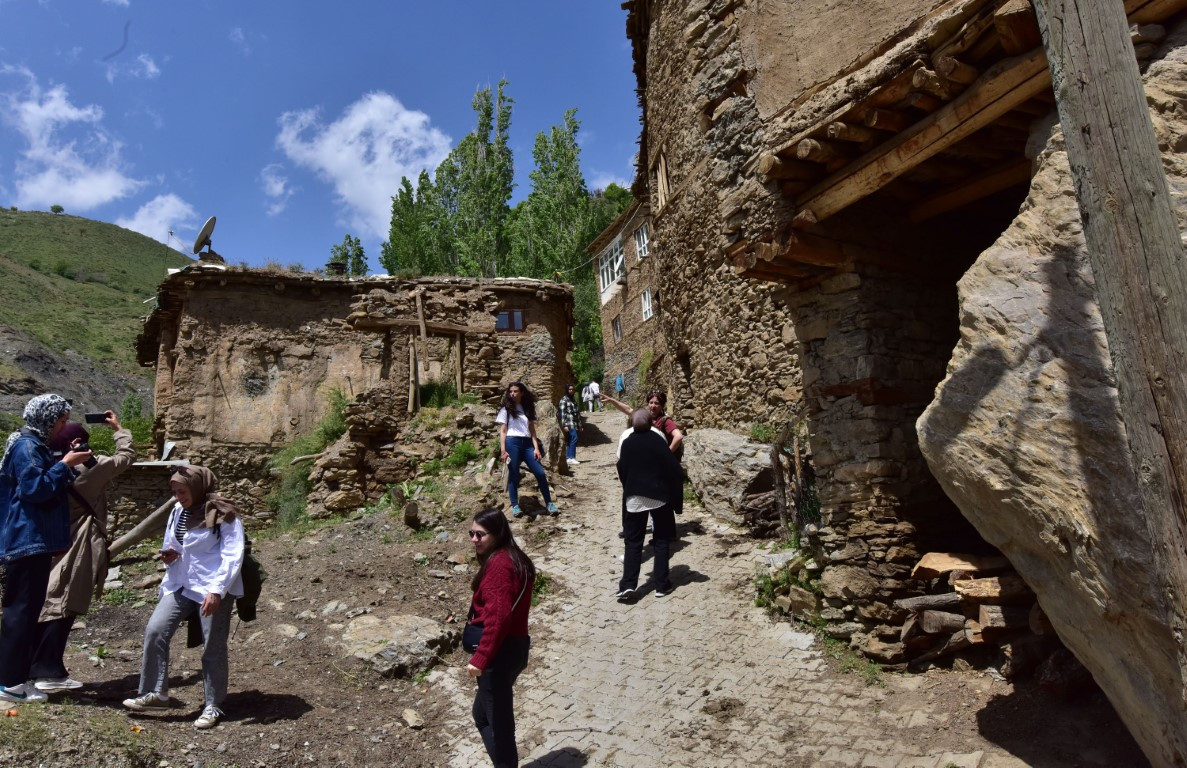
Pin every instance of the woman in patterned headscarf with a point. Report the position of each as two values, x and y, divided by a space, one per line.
203 552
34 525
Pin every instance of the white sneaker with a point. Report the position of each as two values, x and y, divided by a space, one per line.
574 462
56 684
25 692
147 702
209 717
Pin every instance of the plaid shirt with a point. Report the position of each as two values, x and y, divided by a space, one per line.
568 413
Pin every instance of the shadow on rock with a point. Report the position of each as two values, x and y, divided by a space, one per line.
1043 730
569 757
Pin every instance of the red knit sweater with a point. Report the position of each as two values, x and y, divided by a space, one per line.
492 603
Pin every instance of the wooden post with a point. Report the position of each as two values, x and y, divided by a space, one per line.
461 351
1137 260
413 376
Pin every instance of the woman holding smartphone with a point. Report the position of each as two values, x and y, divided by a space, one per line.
518 443
203 552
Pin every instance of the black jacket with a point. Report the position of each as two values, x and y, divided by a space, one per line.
647 467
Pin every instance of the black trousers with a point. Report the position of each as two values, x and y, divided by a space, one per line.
24 594
49 658
494 703
634 530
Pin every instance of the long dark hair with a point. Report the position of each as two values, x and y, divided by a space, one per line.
527 403
494 522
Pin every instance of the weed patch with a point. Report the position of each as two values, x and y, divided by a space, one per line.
541 588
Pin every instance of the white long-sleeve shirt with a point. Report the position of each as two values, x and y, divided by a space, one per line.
209 563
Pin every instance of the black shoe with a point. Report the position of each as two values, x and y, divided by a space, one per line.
666 589
626 595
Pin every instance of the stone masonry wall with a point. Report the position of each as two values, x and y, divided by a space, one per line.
641 339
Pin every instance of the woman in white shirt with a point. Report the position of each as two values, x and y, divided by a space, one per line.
518 443
203 553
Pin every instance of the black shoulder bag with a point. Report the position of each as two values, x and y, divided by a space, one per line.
472 633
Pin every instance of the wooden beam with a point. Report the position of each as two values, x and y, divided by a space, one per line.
999 90
783 168
926 80
1017 28
816 151
885 120
924 102
420 315
972 190
955 70
854 133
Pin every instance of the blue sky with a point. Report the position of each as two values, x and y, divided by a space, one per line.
292 122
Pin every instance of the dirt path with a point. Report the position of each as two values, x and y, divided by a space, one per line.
702 678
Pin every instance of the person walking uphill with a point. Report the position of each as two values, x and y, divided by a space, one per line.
203 553
34 526
518 443
77 574
496 632
570 423
652 484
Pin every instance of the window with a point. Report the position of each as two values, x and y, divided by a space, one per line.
611 264
647 305
509 320
642 237
616 328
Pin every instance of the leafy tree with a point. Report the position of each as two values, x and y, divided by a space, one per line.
350 253
414 244
54 209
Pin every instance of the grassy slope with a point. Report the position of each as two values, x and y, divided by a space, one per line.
75 283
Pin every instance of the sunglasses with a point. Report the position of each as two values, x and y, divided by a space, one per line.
479 535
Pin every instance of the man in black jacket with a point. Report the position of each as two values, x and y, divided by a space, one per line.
652 483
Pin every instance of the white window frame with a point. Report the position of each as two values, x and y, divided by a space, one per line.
642 241
611 264
646 298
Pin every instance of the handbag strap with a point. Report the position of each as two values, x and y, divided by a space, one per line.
514 605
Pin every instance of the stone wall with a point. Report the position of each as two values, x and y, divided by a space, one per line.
136 493
245 361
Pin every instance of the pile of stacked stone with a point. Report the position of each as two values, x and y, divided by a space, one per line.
976 606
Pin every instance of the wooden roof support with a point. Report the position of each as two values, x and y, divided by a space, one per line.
951 68
1016 26
816 151
847 132
783 168
924 102
1000 89
971 190
885 120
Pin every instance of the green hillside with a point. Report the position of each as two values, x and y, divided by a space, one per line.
78 284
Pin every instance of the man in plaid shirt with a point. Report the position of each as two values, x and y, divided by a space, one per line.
570 423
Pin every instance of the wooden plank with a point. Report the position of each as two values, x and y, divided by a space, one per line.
998 620
1154 11
935 564
460 348
924 102
1006 589
886 120
972 190
1003 86
420 316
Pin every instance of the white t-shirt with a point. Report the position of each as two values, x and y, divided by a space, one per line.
594 389
517 424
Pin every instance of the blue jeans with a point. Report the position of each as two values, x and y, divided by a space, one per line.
520 449
571 446
24 595
173 609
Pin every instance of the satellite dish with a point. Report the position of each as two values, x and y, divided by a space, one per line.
203 241
204 235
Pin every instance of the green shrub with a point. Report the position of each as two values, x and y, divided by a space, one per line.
541 587
762 433
64 269
463 453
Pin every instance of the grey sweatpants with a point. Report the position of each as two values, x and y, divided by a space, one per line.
173 609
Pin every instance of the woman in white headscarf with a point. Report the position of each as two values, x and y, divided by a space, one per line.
34 526
203 553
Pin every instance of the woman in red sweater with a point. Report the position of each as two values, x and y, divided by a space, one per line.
502 598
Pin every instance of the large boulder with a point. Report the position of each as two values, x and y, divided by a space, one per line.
1026 438
733 478
398 646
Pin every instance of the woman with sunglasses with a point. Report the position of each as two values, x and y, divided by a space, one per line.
497 631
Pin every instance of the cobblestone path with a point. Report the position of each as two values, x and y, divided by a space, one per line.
699 677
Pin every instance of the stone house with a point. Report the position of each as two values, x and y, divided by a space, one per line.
848 166
628 292
245 360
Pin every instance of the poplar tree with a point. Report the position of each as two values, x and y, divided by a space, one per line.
350 253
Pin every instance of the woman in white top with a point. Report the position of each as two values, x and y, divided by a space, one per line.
518 443
203 553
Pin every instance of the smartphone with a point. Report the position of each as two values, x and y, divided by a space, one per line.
95 418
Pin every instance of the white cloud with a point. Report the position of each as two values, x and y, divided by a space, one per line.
276 188
239 38
121 3
158 216
603 179
363 154
69 159
146 68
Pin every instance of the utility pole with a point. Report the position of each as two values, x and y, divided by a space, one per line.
1136 254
